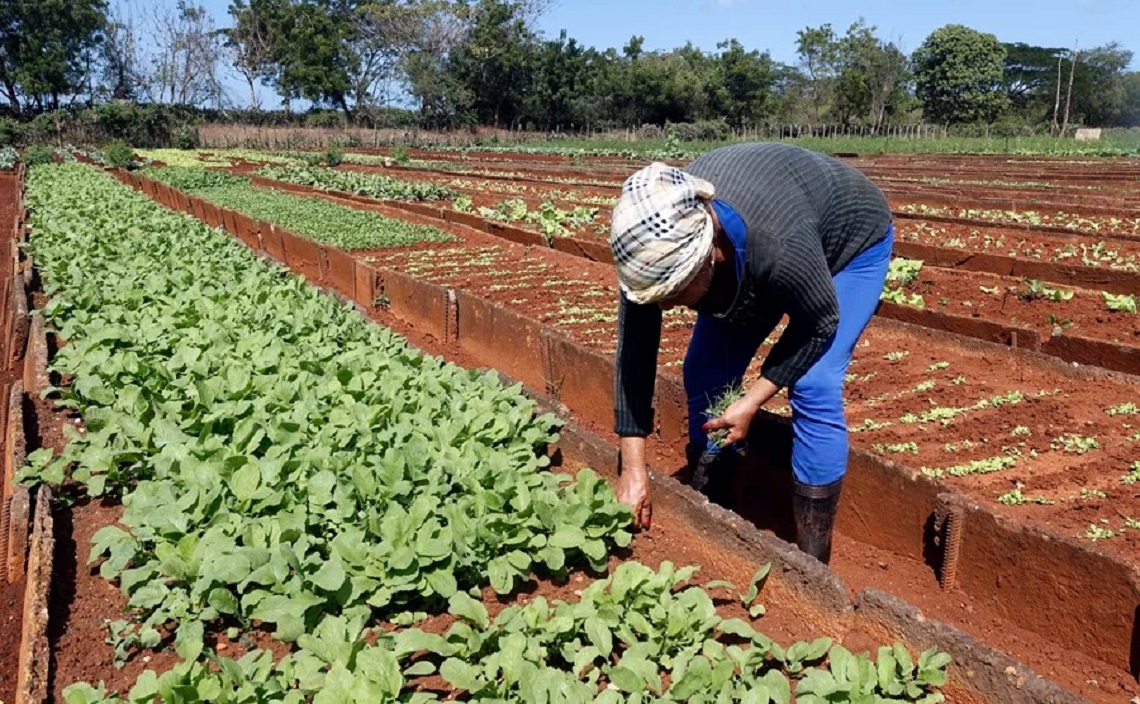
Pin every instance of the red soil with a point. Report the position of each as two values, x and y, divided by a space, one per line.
1006 300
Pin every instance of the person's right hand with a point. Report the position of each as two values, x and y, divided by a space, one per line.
633 491
633 484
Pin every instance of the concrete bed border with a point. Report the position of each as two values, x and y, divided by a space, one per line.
536 357
28 540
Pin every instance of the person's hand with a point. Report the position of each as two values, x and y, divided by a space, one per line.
736 420
633 484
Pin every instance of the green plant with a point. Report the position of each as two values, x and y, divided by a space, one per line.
312 217
280 458
332 156
937 366
1016 498
640 635
1121 303
901 273
1075 444
1036 290
718 407
8 157
38 154
400 154
368 185
896 448
1124 409
1133 475
118 155
869 425
982 466
1095 533
1059 325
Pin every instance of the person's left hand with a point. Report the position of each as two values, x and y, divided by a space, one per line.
736 420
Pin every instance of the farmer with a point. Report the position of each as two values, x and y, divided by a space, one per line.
746 235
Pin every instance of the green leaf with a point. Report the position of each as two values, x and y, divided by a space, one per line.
736 627
330 577
413 640
188 640
467 608
600 636
461 675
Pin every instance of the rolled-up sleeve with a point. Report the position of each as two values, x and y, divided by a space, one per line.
639 336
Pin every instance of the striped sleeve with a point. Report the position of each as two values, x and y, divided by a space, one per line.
639 336
803 281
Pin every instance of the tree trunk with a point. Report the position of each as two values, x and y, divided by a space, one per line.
1057 100
1069 95
10 89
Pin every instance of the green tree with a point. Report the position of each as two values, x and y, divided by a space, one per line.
495 61
958 75
819 52
1099 87
310 58
743 91
871 83
1030 78
1130 115
252 40
46 49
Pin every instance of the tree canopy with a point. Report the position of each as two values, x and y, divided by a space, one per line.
466 62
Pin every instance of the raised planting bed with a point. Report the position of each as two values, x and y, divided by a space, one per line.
320 521
312 218
1094 319
586 390
1030 218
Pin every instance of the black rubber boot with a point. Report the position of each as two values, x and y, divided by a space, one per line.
713 473
815 508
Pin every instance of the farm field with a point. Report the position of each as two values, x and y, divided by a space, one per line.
309 550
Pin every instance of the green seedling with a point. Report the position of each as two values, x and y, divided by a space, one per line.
747 599
1120 303
718 408
1016 498
1075 444
1037 291
1133 475
1095 533
896 448
1124 409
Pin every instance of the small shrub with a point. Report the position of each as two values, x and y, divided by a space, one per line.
38 154
185 139
8 157
118 155
333 156
401 154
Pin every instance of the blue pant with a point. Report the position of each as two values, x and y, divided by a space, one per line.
719 354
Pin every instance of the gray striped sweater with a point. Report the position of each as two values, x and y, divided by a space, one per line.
807 215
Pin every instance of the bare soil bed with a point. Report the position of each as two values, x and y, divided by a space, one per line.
1016 302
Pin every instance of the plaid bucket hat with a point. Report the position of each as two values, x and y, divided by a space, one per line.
661 232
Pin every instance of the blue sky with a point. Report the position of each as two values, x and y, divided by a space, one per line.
772 24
